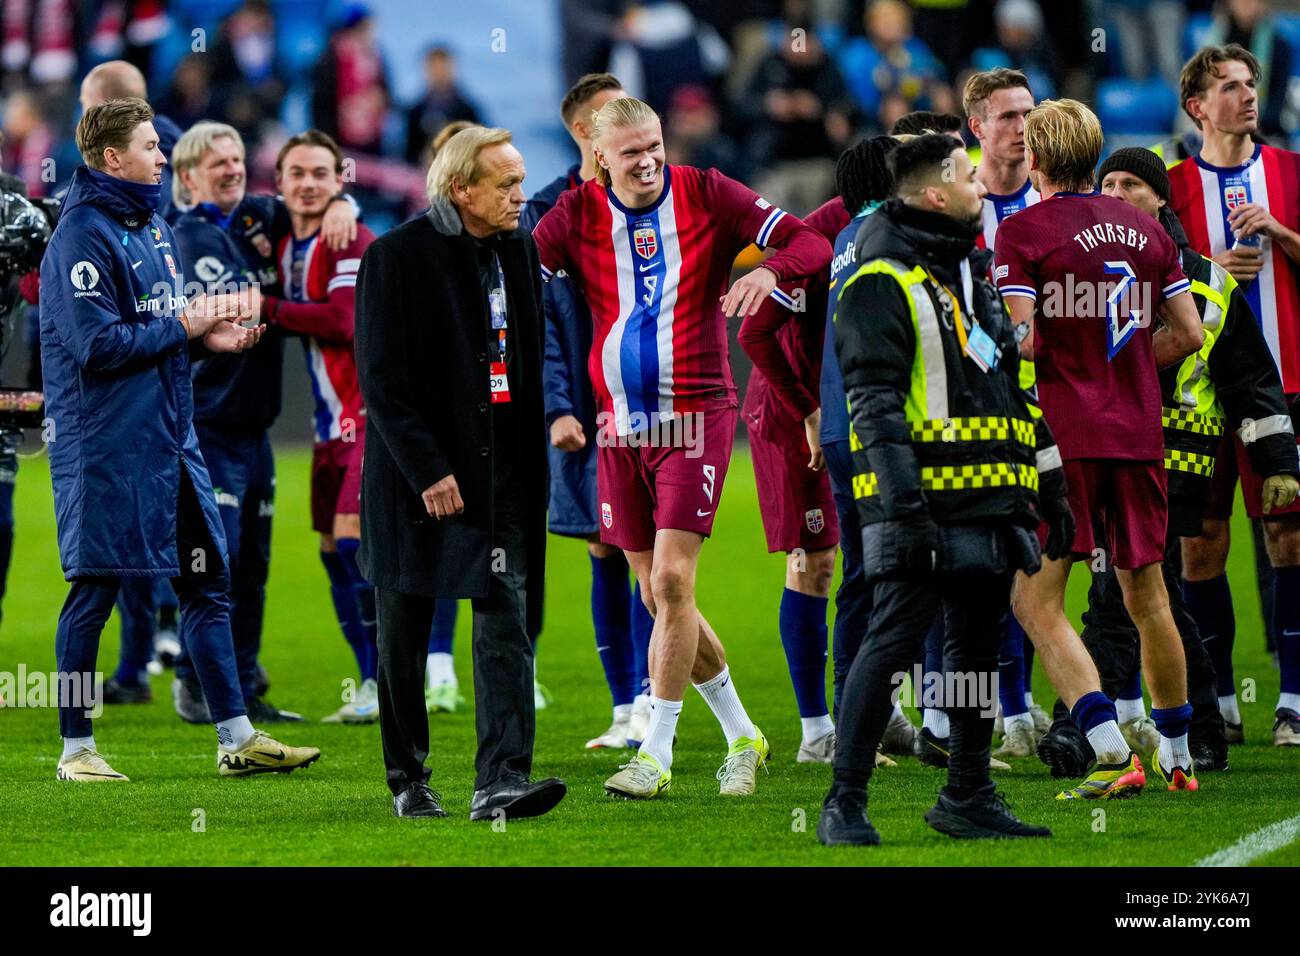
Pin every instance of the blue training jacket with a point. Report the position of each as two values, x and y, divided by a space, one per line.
565 381
117 387
835 401
236 392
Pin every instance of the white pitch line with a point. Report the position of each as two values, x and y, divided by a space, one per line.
1254 845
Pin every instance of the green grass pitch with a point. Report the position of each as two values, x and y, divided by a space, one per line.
338 812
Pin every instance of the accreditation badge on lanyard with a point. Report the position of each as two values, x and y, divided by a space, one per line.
498 379
978 344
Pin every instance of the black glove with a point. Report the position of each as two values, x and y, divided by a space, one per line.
917 539
1060 527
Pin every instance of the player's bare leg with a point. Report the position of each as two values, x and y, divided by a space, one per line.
1163 664
1282 542
1209 600
684 649
1165 668
1039 604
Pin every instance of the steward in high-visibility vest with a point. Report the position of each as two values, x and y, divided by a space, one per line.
1231 384
950 466
934 434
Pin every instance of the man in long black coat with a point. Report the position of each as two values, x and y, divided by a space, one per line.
454 483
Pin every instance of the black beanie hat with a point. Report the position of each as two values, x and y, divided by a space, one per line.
1142 163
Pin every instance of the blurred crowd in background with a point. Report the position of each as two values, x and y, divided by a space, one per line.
769 91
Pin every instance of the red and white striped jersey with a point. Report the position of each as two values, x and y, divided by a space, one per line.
320 304
1204 195
654 277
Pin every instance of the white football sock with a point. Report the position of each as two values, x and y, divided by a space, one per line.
622 713
1109 743
438 670
1228 708
1286 702
235 732
935 721
641 704
1029 699
72 744
658 741
1174 752
1128 711
720 694
897 714
815 728
1025 720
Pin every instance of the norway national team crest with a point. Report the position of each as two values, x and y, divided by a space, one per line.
1235 195
815 520
645 242
606 514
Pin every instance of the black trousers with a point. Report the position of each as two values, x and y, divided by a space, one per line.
904 608
1112 642
503 667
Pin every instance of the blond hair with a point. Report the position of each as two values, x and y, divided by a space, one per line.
1065 138
457 160
110 124
190 150
616 114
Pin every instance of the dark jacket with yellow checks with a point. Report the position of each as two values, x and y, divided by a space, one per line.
1230 384
941 426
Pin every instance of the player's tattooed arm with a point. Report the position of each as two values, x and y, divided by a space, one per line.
1183 333
1021 310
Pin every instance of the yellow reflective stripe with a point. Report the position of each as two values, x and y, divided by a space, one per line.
927 396
1190 461
1029 385
964 430
1193 388
993 474
973 429
864 486
1189 421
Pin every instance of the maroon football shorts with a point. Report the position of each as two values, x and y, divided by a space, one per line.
675 484
1127 501
795 502
1232 463
335 480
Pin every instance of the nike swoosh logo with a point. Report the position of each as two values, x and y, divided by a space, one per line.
267 753
702 514
1287 633
136 265
646 268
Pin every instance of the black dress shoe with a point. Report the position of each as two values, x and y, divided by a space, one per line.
843 821
417 800
517 797
983 815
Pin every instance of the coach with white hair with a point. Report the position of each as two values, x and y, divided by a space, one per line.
454 480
